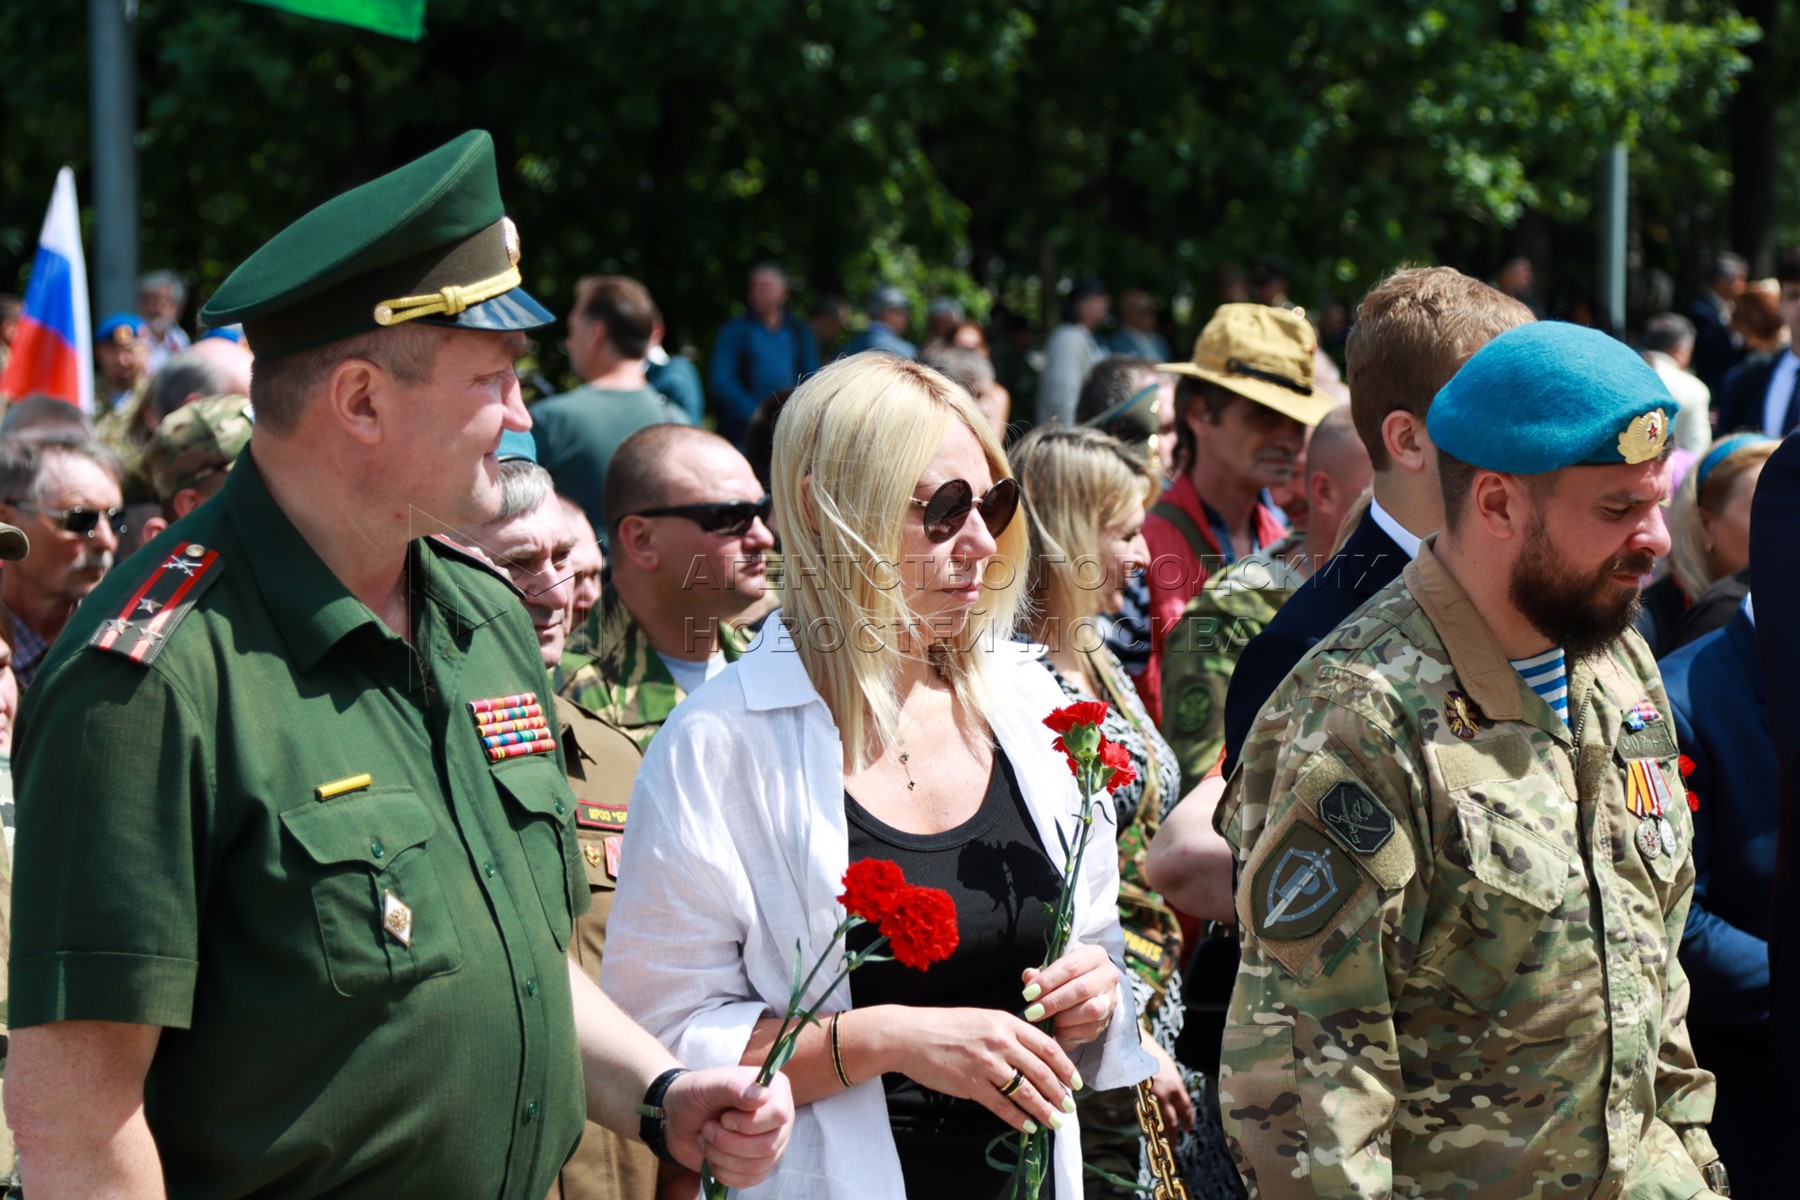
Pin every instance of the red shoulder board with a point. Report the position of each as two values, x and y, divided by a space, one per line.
139 629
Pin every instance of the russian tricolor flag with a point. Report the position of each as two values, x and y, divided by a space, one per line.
53 352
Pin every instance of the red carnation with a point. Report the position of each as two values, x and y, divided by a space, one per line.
873 887
921 926
1086 712
1074 767
1113 755
1687 768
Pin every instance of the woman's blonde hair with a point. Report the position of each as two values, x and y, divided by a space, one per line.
850 448
1689 557
1077 483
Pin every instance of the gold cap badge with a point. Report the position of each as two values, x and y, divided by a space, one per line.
1643 439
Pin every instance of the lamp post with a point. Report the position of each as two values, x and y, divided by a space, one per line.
112 120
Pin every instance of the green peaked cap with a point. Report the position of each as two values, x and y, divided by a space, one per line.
433 231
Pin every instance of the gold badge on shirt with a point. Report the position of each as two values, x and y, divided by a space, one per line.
1459 714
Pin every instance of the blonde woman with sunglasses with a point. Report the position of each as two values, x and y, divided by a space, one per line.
884 712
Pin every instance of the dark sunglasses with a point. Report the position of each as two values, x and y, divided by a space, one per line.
949 507
83 521
731 518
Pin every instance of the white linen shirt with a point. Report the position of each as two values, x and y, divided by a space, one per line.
737 850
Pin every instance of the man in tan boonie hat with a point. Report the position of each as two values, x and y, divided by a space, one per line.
1242 409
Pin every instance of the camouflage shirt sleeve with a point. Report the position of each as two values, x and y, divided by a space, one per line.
1332 893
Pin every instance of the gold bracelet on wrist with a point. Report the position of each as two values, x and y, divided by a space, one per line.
837 1051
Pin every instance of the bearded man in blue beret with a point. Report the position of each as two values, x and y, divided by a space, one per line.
1462 840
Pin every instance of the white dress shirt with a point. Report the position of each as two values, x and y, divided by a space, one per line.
1403 537
1780 393
737 850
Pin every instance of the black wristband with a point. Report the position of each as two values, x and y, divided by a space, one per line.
653 1121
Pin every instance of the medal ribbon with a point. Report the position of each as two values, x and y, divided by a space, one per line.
509 726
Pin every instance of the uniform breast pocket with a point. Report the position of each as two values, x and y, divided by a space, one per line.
1503 879
540 809
382 917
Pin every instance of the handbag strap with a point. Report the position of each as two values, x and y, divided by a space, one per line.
1168 1185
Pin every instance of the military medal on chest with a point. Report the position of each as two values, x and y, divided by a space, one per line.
1647 796
1460 714
509 726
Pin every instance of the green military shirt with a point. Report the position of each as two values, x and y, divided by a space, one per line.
611 668
602 764
1202 650
1459 974
361 995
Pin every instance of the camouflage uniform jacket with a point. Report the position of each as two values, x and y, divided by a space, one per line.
1459 975
1202 652
611 669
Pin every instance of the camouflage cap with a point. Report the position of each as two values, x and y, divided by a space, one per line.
195 442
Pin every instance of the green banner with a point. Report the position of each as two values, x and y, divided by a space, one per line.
396 18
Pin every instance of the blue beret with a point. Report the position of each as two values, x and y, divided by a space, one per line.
1550 395
109 328
517 445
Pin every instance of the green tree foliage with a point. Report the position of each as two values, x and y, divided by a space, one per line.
950 146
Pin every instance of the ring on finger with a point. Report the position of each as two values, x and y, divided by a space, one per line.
1014 1084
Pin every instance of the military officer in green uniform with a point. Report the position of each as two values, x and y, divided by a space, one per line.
532 543
1464 861
297 867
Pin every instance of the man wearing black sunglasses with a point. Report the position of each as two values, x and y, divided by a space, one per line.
687 545
62 489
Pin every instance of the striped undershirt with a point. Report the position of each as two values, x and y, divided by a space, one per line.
1548 676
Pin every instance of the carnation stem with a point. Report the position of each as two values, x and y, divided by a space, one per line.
782 1049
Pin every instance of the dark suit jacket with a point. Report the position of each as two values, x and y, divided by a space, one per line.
1774 532
1741 406
1714 351
1368 562
1717 701
1715 687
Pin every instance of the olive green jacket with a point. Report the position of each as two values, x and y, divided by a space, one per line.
254 815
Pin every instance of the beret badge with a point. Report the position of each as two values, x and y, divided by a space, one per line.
1642 440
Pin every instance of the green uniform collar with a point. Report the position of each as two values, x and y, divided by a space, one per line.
311 606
